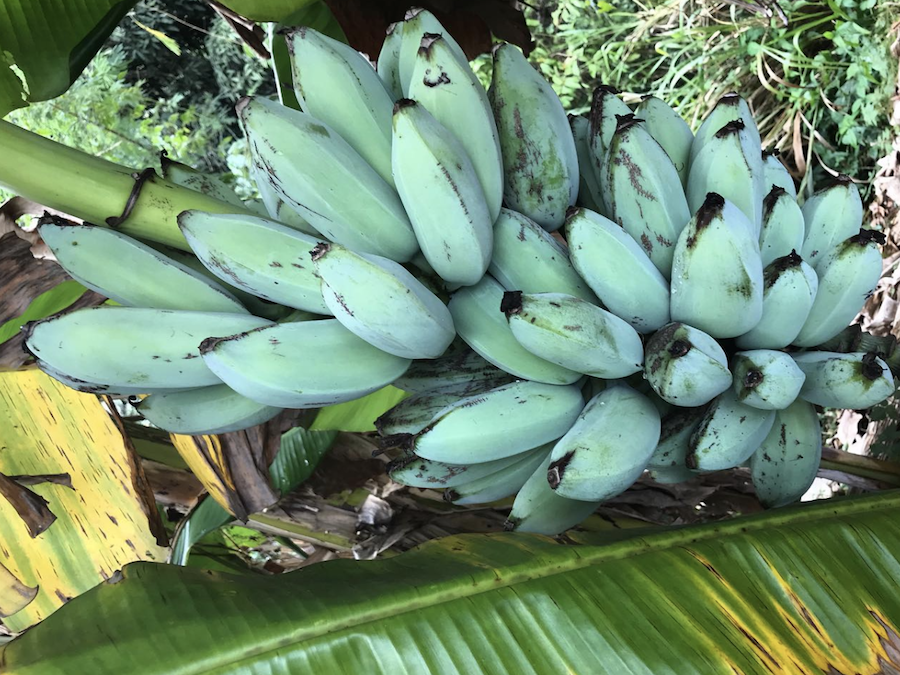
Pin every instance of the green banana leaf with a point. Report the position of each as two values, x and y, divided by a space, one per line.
811 589
358 415
268 10
49 302
49 42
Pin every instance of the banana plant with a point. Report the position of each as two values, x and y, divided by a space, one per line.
809 589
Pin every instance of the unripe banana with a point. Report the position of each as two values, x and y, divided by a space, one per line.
717 275
498 423
789 289
669 130
132 346
667 465
275 206
540 162
442 194
730 165
782 226
379 301
445 84
419 22
527 258
785 465
589 195
480 323
322 177
415 413
189 177
766 379
607 448
729 108
643 192
574 334
207 410
685 366
454 369
832 215
104 389
538 509
776 174
618 270
855 381
132 273
728 434
257 255
501 484
847 276
336 84
606 108
388 65
274 365
414 471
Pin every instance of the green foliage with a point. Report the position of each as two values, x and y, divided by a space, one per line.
827 76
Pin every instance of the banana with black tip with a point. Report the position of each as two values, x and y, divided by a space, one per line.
766 379
417 24
855 381
776 173
669 130
454 369
501 484
417 472
388 64
729 108
589 194
728 434
832 215
667 465
782 226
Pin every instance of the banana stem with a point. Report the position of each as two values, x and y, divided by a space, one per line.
858 465
95 190
853 339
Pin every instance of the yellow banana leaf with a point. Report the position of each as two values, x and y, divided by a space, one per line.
103 521
807 590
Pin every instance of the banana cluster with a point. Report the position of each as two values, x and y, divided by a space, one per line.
569 300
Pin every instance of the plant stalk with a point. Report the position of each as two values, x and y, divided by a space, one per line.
95 189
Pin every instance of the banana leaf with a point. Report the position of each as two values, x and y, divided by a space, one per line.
811 589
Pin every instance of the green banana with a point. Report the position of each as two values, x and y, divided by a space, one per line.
208 410
538 509
454 369
789 289
257 255
133 346
847 276
307 364
189 177
776 173
275 206
447 86
480 323
589 195
728 434
729 108
388 65
379 301
717 274
782 226
785 465
102 389
442 194
730 165
540 162
607 448
855 381
132 273
766 379
527 258
832 215
618 270
685 366
498 423
418 23
667 465
414 471
669 130
643 192
501 484
415 413
335 83
573 333
323 178
606 108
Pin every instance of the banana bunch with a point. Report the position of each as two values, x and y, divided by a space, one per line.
568 300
